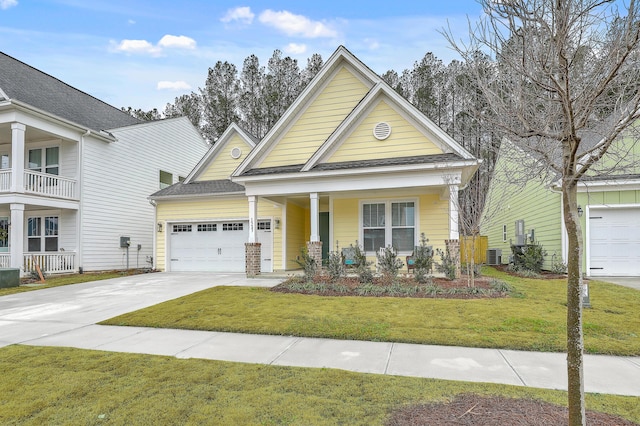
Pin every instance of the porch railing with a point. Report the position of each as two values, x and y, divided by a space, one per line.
5 260
49 185
51 263
5 180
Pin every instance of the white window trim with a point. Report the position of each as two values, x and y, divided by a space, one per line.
388 227
43 157
42 235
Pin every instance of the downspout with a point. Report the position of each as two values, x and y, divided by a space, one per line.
155 235
81 198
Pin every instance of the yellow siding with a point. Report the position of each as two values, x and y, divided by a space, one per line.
433 220
345 222
204 210
296 223
223 164
318 121
404 140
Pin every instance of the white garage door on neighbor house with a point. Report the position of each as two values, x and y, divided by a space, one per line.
215 246
614 241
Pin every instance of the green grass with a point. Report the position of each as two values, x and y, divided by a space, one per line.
58 280
534 320
45 385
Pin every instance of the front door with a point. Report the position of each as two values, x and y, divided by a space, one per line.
324 236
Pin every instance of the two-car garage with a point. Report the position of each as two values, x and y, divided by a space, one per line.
613 235
216 246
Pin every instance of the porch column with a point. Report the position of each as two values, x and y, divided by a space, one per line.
315 217
252 249
16 235
17 157
454 234
314 246
253 217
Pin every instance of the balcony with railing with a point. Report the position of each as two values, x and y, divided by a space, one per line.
43 184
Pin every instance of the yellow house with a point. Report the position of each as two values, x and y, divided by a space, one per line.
350 162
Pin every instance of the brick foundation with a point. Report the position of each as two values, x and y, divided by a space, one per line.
252 252
454 251
314 248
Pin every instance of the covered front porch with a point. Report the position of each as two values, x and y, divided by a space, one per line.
372 219
35 236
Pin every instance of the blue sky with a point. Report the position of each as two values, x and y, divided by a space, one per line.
145 53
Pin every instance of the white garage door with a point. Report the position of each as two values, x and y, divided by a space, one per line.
614 241
215 247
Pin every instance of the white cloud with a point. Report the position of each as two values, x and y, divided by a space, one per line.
6 4
137 47
179 42
173 85
131 22
244 15
143 47
296 25
295 48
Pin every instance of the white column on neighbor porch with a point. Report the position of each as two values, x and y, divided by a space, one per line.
253 217
16 231
454 234
315 217
17 157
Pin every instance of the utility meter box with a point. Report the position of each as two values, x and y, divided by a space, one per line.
125 242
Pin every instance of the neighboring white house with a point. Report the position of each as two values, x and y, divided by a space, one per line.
75 174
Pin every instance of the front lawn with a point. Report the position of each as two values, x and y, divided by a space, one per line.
45 385
534 320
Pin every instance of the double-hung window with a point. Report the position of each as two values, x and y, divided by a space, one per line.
399 232
42 233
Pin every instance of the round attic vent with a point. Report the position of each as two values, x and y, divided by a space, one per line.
381 130
236 152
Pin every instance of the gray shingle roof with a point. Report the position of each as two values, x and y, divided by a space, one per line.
24 83
344 165
204 187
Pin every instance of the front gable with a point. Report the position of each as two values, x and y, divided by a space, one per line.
333 93
224 157
331 105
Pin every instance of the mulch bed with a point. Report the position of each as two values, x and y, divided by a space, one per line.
478 410
352 284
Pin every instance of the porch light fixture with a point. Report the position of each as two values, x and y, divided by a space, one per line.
276 224
159 226
580 211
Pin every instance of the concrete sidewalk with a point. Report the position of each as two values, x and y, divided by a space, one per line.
67 316
603 374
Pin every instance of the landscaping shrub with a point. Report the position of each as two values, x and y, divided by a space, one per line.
423 260
308 264
389 263
335 265
447 264
529 257
362 265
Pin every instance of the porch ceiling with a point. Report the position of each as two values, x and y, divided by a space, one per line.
32 134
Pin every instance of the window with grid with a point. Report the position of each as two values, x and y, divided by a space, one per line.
207 227
264 225
181 228
378 232
44 160
235 226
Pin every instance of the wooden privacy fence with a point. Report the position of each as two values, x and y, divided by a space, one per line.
480 252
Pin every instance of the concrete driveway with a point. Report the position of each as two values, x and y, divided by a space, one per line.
34 314
633 282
